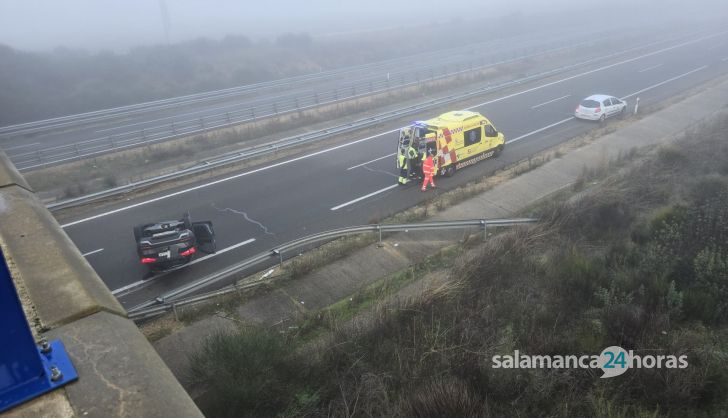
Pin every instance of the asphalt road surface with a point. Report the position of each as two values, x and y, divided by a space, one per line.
54 142
354 183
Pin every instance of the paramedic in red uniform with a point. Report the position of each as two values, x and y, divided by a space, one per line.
428 171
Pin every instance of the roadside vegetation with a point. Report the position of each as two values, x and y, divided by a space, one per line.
40 85
636 258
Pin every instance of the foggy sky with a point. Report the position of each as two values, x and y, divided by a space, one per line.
120 24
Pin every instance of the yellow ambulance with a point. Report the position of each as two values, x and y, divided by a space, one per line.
456 139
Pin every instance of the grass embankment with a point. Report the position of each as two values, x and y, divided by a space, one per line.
638 259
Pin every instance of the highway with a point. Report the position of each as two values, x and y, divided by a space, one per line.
354 182
36 145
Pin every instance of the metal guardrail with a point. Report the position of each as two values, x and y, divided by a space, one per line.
285 143
173 298
29 160
428 56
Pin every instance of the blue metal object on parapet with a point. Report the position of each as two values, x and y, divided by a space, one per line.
26 369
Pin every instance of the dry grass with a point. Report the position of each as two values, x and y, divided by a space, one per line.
618 265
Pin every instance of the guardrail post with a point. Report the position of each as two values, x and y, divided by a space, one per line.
484 225
174 310
379 227
279 253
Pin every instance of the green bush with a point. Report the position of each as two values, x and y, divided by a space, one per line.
246 373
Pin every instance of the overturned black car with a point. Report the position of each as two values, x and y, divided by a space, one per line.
168 244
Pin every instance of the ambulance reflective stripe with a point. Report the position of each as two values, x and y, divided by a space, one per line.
475 159
448 155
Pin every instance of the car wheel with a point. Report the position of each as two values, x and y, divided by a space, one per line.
137 233
602 118
450 170
623 112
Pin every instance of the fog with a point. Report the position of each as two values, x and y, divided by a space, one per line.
118 25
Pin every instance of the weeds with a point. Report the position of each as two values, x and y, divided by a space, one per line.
620 265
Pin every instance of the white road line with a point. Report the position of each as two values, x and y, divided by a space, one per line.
539 130
351 202
208 256
204 185
376 159
596 70
649 68
550 101
129 286
665 82
195 261
93 252
212 183
21 146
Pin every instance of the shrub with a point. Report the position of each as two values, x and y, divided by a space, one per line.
444 398
247 373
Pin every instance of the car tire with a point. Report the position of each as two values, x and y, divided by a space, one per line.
623 112
450 171
137 233
602 118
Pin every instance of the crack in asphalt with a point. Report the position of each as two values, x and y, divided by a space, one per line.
247 218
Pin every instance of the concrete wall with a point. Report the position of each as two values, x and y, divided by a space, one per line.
120 374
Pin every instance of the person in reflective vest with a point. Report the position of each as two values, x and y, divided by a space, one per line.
402 164
428 171
413 160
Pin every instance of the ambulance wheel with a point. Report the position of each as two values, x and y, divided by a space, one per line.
449 171
498 151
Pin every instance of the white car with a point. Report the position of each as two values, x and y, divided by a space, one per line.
599 107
